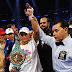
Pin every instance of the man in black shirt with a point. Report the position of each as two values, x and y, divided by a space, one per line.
45 52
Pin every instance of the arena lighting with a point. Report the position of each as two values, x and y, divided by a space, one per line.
46 15
9 5
12 19
35 7
17 12
62 11
57 4
3 20
22 19
59 12
12 10
55 13
37 16
70 11
66 11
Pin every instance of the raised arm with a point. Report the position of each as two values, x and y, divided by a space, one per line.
37 30
33 20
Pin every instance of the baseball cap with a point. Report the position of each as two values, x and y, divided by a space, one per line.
9 30
2 31
24 29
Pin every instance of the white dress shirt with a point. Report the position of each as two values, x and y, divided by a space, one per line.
61 55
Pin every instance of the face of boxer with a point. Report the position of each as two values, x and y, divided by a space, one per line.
24 37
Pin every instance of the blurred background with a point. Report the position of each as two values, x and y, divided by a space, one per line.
12 11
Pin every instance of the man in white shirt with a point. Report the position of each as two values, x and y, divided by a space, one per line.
61 44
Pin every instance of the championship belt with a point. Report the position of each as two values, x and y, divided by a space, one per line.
17 56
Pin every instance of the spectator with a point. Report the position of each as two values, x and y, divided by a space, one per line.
70 27
4 52
15 31
45 52
9 34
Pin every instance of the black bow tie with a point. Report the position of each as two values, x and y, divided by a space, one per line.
59 43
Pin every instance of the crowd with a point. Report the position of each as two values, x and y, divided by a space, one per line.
37 50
